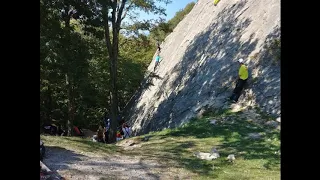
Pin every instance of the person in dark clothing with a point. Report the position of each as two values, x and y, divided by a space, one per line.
243 76
121 121
158 46
100 136
106 128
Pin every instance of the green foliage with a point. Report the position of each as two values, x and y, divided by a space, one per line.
63 51
180 15
80 51
163 29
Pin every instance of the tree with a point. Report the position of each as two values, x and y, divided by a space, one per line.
64 47
163 29
85 44
121 9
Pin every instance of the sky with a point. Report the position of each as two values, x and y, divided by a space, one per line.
171 9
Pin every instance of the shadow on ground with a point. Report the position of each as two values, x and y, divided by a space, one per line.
58 158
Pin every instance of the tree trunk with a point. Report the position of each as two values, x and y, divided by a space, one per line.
113 49
49 105
70 106
113 99
69 79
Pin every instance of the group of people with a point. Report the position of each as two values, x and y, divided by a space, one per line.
124 131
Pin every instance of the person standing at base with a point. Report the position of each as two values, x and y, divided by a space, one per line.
243 76
106 128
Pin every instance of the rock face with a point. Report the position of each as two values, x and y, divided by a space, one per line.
199 69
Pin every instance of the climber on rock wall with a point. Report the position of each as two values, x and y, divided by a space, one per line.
215 2
243 76
157 59
158 46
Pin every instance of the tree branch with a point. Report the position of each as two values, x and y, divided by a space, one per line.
126 11
123 2
113 13
113 21
106 27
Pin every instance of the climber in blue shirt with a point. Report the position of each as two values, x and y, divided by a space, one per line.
157 62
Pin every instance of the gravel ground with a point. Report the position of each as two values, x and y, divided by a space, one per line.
79 166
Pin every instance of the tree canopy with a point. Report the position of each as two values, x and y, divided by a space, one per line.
90 62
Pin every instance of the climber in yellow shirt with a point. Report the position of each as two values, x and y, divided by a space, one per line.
215 2
243 72
243 76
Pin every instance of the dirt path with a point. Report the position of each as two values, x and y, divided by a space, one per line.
78 166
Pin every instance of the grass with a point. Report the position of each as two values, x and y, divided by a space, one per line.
79 145
264 115
174 148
